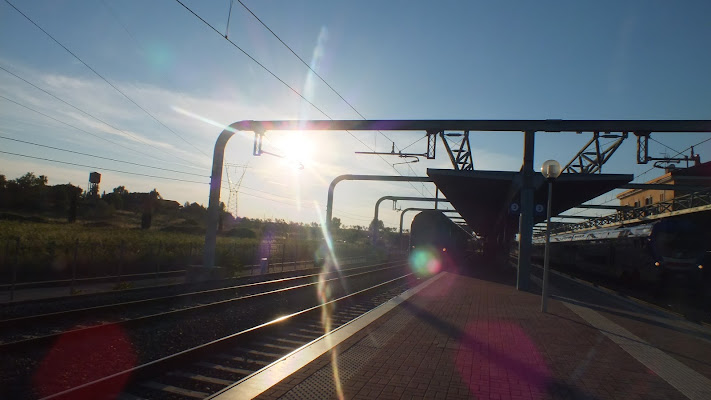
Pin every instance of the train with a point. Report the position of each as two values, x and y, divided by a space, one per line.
653 252
434 234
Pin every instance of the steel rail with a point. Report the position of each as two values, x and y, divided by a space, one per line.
66 313
160 365
4 347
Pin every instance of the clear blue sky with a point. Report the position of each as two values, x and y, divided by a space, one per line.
391 60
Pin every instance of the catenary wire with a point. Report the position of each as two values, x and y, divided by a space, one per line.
104 79
98 119
70 125
100 157
101 168
135 173
282 81
306 64
327 84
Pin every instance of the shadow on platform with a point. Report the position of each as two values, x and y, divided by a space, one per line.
525 372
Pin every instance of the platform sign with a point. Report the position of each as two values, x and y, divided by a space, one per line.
514 208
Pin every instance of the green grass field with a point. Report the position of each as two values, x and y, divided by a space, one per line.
51 249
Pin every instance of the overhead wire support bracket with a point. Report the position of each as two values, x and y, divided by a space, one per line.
661 162
258 138
459 153
642 147
593 155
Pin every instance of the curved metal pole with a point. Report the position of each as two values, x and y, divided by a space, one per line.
395 198
350 177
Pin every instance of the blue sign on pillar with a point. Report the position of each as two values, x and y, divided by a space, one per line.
514 208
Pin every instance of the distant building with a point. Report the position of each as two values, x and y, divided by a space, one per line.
698 175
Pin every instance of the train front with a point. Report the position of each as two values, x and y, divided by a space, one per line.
436 243
678 248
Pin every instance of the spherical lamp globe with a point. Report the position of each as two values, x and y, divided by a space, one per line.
551 169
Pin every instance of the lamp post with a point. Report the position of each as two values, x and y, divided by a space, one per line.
550 170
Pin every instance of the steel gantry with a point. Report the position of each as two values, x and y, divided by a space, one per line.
528 127
593 155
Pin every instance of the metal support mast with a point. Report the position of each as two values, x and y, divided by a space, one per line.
593 155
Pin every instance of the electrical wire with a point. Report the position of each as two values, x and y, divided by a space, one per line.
104 79
100 157
229 14
307 65
101 168
97 119
413 143
235 45
657 141
70 125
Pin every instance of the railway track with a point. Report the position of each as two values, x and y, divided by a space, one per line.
156 335
42 327
206 369
676 297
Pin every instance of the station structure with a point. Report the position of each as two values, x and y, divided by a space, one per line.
487 215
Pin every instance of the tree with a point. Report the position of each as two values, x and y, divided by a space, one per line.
379 224
335 224
148 207
29 180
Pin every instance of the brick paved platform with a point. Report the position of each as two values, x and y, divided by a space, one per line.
465 337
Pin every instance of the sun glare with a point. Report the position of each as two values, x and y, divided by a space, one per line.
297 148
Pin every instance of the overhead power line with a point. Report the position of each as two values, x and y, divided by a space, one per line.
324 81
70 125
102 168
97 118
235 45
103 78
100 157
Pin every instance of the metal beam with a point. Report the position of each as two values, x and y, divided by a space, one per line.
545 125
603 207
396 198
575 216
661 186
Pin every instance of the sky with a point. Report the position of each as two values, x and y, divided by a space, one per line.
152 86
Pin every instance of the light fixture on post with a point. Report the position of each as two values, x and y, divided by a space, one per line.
550 170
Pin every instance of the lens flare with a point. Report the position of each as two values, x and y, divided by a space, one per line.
425 262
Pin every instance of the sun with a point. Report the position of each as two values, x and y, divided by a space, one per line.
297 148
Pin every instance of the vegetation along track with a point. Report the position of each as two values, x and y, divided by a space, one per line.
40 366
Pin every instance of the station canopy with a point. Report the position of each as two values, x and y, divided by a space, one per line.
489 201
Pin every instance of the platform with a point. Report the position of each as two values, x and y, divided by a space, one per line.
462 337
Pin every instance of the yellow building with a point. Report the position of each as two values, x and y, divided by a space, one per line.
698 175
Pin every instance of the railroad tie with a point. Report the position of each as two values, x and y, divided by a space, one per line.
175 390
